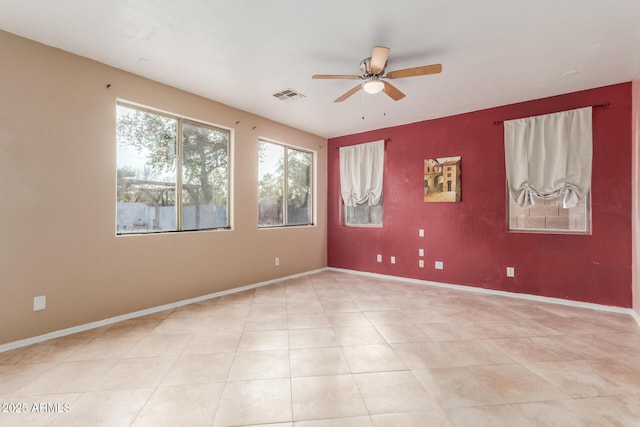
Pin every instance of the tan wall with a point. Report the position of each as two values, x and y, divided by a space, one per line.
635 186
57 199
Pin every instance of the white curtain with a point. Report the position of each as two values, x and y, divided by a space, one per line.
549 155
361 168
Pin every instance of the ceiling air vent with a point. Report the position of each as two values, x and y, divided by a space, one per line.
288 95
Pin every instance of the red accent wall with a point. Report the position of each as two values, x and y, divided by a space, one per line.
471 237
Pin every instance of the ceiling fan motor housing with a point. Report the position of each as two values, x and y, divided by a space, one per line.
365 69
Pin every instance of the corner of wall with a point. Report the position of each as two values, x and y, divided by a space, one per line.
635 188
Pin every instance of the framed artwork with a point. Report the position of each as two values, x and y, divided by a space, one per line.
442 181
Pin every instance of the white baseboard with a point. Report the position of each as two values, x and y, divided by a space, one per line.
636 316
147 311
550 300
88 326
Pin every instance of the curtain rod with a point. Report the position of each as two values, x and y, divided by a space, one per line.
350 145
606 104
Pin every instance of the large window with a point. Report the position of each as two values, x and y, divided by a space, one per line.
173 173
285 185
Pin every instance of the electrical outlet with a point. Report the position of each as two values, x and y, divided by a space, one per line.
511 272
39 303
420 252
421 232
379 258
421 263
277 260
393 260
439 265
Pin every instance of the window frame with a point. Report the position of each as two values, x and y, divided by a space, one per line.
285 207
361 225
179 169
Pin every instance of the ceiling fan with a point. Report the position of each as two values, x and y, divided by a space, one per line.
373 74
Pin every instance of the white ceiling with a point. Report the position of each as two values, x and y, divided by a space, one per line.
240 52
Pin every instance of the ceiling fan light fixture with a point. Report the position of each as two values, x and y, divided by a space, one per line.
373 86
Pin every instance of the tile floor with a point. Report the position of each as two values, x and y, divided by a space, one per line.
336 349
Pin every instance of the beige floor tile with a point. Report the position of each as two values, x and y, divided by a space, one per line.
387 317
476 352
340 306
300 306
338 320
308 321
516 384
266 325
372 304
310 362
134 373
199 369
254 402
456 387
577 378
184 405
104 348
222 322
337 422
484 416
68 377
373 358
550 414
179 325
232 312
257 365
16 377
105 408
267 311
607 411
447 331
392 392
214 341
437 354
264 340
432 418
160 345
311 338
395 333
324 397
358 335
528 350
625 372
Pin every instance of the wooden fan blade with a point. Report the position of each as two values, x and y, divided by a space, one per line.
335 76
415 71
348 94
379 58
393 92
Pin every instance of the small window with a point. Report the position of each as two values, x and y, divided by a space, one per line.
548 215
172 173
285 183
364 215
